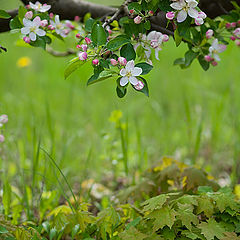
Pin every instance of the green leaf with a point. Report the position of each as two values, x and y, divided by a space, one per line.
99 35
89 24
3 230
154 203
21 13
134 223
7 195
40 42
53 233
185 214
164 5
189 57
177 38
211 229
128 52
162 217
132 234
118 42
205 205
4 14
97 77
147 25
204 64
146 68
121 91
15 23
135 6
73 65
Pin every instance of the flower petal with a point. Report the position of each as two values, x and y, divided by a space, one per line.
192 3
33 36
133 80
45 8
216 57
192 12
40 32
136 71
123 81
123 72
130 66
177 6
156 53
181 17
37 21
25 30
27 23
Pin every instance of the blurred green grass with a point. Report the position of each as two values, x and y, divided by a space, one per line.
186 108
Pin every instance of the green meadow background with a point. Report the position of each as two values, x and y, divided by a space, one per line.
191 114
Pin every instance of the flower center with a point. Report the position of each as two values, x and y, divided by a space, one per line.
33 29
39 6
129 74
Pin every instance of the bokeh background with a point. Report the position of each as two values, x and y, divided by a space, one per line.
191 114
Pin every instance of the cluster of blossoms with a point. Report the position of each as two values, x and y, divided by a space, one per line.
234 29
3 120
140 17
34 26
184 8
154 40
214 49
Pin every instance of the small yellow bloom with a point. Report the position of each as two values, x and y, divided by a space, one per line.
24 62
115 116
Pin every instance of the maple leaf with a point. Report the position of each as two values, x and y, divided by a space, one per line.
132 234
205 205
230 236
185 214
162 217
211 229
154 203
225 200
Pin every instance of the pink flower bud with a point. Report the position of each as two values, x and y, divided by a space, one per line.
51 15
29 15
78 46
69 25
131 11
237 32
82 56
233 24
27 39
139 86
122 61
209 34
170 15
208 58
78 35
28 6
233 38
238 43
44 23
114 62
150 13
228 25
95 62
84 47
76 18
4 118
51 27
88 40
238 22
2 138
66 31
199 21
214 63
202 15
138 19
165 37
109 31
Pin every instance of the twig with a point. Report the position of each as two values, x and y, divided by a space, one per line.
162 29
137 210
119 11
222 8
60 54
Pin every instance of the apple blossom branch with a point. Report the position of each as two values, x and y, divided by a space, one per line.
68 9
60 54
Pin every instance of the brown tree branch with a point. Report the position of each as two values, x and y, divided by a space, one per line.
60 54
68 9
